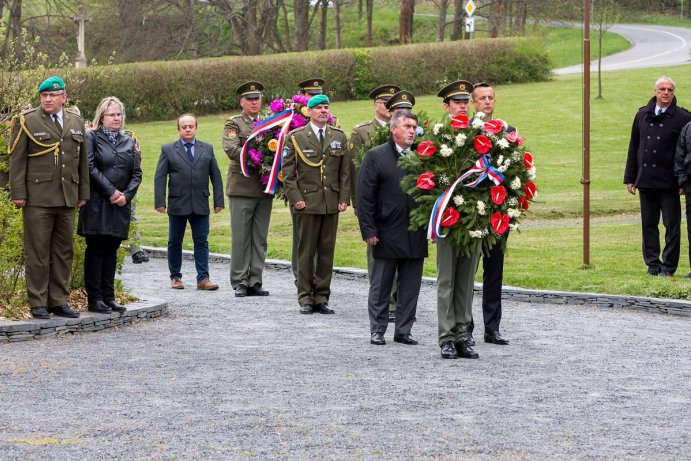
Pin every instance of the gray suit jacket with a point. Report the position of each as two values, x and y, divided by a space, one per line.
188 182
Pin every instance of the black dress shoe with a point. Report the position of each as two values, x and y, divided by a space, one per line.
99 307
666 274
240 291
377 339
448 350
140 257
64 311
471 340
405 339
465 350
653 270
40 312
256 290
323 308
306 308
115 306
495 337
392 316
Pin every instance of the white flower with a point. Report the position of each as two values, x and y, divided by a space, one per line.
513 201
445 151
460 139
477 122
516 183
503 143
436 128
458 200
446 137
443 179
480 115
514 227
507 162
514 213
485 232
481 207
500 160
516 156
532 172
502 168
476 234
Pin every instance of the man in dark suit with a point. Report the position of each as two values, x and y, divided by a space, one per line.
384 217
650 169
49 179
250 207
187 165
484 100
316 179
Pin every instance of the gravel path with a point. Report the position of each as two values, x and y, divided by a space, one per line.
222 379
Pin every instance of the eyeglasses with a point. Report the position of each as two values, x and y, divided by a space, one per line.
114 114
51 95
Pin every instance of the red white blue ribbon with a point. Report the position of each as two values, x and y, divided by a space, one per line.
483 167
281 119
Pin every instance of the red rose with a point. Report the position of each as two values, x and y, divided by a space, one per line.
530 190
459 121
499 222
493 126
528 160
523 203
426 149
425 123
425 182
512 137
450 217
482 144
498 194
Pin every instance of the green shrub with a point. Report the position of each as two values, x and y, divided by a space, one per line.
12 292
164 90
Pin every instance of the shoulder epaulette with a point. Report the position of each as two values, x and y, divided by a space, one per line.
337 129
363 124
69 109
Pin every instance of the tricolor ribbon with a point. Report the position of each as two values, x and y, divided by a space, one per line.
484 168
281 119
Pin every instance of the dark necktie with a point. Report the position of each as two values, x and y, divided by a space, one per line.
321 137
57 122
188 149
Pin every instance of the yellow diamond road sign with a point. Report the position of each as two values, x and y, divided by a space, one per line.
470 7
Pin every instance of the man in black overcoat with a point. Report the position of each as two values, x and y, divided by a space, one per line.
650 169
384 217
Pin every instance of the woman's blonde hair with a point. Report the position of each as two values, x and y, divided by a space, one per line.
103 107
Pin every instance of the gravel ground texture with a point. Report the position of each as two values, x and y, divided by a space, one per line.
223 378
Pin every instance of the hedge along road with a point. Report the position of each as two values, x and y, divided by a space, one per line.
651 46
225 378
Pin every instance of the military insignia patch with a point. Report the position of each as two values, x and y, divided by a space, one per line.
462 87
351 145
285 152
335 145
232 133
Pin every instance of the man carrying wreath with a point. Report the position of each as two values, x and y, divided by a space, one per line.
250 207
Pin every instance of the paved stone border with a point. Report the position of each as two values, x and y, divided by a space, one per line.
659 305
25 330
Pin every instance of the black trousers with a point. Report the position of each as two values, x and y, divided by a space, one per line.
665 202
492 279
100 260
409 279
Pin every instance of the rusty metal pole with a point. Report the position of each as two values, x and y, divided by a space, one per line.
585 180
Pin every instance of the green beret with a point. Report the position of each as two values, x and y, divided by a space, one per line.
52 84
318 99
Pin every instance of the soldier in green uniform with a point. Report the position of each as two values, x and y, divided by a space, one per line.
312 86
250 207
49 179
316 180
455 273
360 137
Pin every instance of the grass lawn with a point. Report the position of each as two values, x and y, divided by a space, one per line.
548 252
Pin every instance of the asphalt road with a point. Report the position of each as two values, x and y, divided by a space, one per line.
652 46
225 379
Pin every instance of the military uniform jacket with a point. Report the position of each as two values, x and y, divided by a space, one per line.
48 168
319 177
650 161
359 137
235 132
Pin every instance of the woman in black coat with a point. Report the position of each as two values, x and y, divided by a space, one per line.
115 174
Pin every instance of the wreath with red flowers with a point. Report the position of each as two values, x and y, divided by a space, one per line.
473 181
